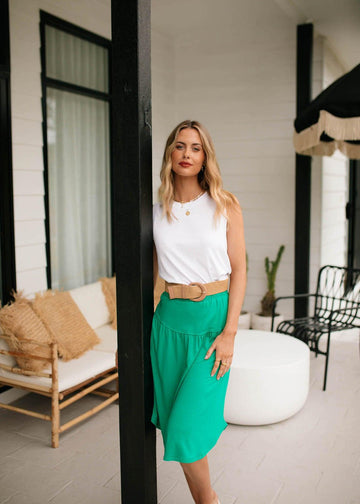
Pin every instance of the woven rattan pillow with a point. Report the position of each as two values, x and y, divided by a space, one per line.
108 286
65 323
20 322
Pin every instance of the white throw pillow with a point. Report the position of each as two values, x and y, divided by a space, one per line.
91 302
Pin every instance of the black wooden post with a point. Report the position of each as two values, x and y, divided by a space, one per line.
132 196
7 240
353 214
303 172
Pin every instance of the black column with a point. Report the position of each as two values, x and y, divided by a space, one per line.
7 240
132 193
303 171
353 214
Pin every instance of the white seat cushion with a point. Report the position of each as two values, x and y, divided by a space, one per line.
91 302
71 373
108 337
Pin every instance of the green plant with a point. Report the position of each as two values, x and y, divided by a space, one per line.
271 268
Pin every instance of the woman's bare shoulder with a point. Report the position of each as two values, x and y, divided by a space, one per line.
233 205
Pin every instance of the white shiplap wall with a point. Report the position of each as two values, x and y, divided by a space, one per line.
163 97
93 15
245 94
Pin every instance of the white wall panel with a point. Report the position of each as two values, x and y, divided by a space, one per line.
31 281
26 132
28 182
29 232
30 257
29 208
245 94
28 157
26 106
163 98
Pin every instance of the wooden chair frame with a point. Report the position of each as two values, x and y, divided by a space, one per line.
94 385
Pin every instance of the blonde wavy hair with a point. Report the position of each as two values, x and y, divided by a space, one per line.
209 178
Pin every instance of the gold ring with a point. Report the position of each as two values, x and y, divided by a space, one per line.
224 364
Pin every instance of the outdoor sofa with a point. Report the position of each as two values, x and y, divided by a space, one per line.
62 345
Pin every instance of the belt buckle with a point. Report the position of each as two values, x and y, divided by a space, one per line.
203 291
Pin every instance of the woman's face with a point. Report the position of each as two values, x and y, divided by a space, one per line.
188 155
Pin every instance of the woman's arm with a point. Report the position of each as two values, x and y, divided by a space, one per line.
237 256
223 345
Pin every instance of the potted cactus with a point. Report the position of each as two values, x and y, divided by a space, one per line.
262 320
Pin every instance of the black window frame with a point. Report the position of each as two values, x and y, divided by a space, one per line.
7 240
47 19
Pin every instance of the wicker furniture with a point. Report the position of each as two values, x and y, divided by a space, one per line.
269 378
67 382
336 308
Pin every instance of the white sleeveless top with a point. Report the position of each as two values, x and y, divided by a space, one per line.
191 248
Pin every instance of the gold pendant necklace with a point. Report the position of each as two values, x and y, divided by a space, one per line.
190 201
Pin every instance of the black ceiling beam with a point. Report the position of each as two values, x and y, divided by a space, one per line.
132 196
303 171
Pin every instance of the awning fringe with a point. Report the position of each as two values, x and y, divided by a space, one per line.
343 129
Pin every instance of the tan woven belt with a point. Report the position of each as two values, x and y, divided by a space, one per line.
195 291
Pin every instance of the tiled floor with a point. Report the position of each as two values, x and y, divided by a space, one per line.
312 458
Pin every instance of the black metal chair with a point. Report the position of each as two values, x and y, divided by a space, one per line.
336 307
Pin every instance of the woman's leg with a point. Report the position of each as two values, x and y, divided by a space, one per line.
198 478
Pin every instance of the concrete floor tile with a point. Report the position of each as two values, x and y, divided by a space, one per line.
17 498
159 449
171 469
164 485
77 493
37 483
95 468
41 455
338 483
11 442
248 485
179 494
114 483
7 466
7 493
228 499
297 492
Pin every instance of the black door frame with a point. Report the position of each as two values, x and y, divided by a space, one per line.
303 172
7 239
352 214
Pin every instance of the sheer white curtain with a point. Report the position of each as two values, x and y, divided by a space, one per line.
78 165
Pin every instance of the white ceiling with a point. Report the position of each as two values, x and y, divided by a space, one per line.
337 20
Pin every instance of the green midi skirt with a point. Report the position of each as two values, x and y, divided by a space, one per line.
188 401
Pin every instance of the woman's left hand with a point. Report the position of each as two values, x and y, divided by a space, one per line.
223 346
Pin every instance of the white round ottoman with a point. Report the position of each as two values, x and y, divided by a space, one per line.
269 378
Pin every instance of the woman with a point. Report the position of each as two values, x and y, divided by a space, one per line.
199 243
